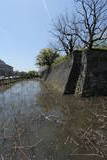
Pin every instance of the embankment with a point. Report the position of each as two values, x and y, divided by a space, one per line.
63 77
84 74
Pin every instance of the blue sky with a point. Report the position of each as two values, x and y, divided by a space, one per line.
24 29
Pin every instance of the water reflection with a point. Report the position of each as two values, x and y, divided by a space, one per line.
37 124
83 129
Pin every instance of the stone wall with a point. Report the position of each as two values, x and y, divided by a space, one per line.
63 76
83 75
92 80
58 75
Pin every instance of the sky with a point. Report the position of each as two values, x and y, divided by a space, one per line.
25 27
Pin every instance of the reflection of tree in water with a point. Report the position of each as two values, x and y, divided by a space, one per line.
18 138
21 138
58 128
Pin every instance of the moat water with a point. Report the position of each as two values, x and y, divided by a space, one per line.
39 124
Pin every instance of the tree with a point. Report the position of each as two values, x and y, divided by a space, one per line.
22 74
64 34
32 74
46 57
92 23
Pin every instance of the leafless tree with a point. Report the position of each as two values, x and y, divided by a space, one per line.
64 35
91 27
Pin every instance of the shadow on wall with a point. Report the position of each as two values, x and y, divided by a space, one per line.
74 74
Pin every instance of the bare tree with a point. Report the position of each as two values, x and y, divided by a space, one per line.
64 35
91 28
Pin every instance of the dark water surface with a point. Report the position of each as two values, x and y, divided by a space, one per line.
38 124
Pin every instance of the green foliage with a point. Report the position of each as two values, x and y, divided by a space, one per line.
61 59
22 74
27 75
32 74
46 57
100 49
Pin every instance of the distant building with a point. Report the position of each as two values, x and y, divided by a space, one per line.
5 70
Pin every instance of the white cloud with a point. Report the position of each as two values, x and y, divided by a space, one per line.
46 8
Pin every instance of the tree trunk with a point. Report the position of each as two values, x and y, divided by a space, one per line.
90 45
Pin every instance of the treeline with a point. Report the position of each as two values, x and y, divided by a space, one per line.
27 75
86 29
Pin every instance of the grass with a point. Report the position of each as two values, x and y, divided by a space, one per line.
84 124
61 59
100 49
65 58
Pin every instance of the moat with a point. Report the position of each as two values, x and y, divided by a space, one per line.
39 124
